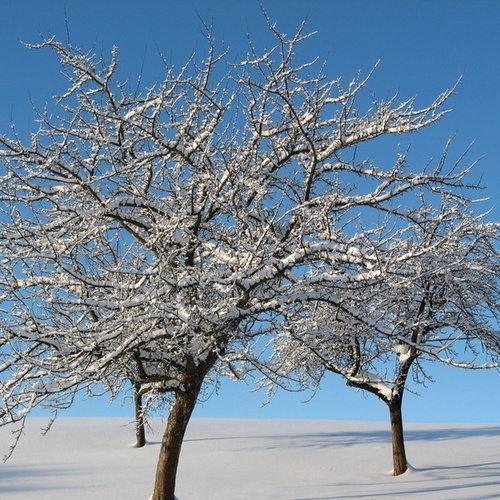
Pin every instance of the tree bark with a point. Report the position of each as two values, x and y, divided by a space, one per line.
166 470
178 419
398 443
140 433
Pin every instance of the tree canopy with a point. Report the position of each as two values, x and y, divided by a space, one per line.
152 234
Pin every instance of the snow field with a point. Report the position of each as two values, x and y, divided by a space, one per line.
233 459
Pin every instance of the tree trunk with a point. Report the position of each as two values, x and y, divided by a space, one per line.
140 433
398 443
171 444
178 419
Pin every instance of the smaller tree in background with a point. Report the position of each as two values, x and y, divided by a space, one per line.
435 299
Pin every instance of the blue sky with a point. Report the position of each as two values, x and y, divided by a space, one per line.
423 46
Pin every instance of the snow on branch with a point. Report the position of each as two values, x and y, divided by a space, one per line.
151 236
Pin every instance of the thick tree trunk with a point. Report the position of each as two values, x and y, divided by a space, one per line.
398 443
140 432
180 413
171 444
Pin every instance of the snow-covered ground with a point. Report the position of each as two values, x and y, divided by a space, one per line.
83 458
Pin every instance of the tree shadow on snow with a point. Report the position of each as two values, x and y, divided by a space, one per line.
433 480
351 438
25 477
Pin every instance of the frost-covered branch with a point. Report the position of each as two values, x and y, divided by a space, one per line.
153 236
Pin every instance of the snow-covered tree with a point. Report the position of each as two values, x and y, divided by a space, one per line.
152 235
435 298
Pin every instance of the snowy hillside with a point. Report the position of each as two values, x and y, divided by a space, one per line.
84 458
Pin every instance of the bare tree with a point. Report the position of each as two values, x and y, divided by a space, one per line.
162 231
427 293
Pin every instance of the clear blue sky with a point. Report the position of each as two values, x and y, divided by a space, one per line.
424 46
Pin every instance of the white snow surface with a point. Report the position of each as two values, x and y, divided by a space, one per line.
231 459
